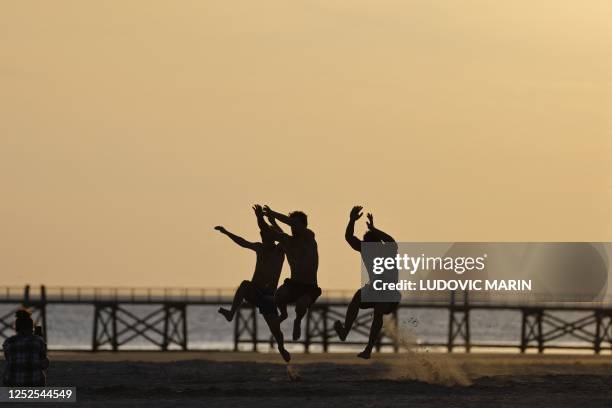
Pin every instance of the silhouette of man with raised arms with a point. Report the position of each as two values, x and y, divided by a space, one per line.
260 290
303 257
388 248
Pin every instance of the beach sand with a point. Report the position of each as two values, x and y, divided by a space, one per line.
224 379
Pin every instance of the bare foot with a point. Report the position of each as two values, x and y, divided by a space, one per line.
365 354
285 354
297 330
226 313
339 328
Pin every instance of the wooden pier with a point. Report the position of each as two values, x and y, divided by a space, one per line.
165 325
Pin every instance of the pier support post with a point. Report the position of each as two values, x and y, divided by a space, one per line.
396 333
42 311
116 325
105 326
531 329
175 325
459 322
317 326
603 330
245 326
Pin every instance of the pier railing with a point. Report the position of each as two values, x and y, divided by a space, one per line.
115 324
92 294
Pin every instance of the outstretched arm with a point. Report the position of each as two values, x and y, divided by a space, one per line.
383 236
238 240
349 235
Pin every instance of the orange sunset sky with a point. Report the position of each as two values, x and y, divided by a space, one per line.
129 129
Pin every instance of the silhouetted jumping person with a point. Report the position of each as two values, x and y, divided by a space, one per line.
303 258
380 308
259 291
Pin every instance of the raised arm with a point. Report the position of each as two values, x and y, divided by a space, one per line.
285 219
383 236
274 225
260 217
261 222
349 235
238 240
277 233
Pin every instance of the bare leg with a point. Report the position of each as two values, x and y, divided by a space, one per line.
274 325
280 298
351 314
246 291
301 307
377 324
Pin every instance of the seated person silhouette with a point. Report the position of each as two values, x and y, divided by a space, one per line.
388 248
259 291
25 355
303 257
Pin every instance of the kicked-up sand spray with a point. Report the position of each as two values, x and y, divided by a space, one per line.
293 373
414 364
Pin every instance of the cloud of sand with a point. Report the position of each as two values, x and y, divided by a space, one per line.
413 364
293 373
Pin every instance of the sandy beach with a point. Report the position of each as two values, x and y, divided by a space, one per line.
215 379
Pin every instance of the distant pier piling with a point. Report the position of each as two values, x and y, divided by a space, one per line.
165 323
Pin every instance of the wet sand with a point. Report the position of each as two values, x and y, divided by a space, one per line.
218 379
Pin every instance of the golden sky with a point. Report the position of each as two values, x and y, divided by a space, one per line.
128 129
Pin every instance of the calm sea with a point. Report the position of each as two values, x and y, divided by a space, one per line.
71 327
